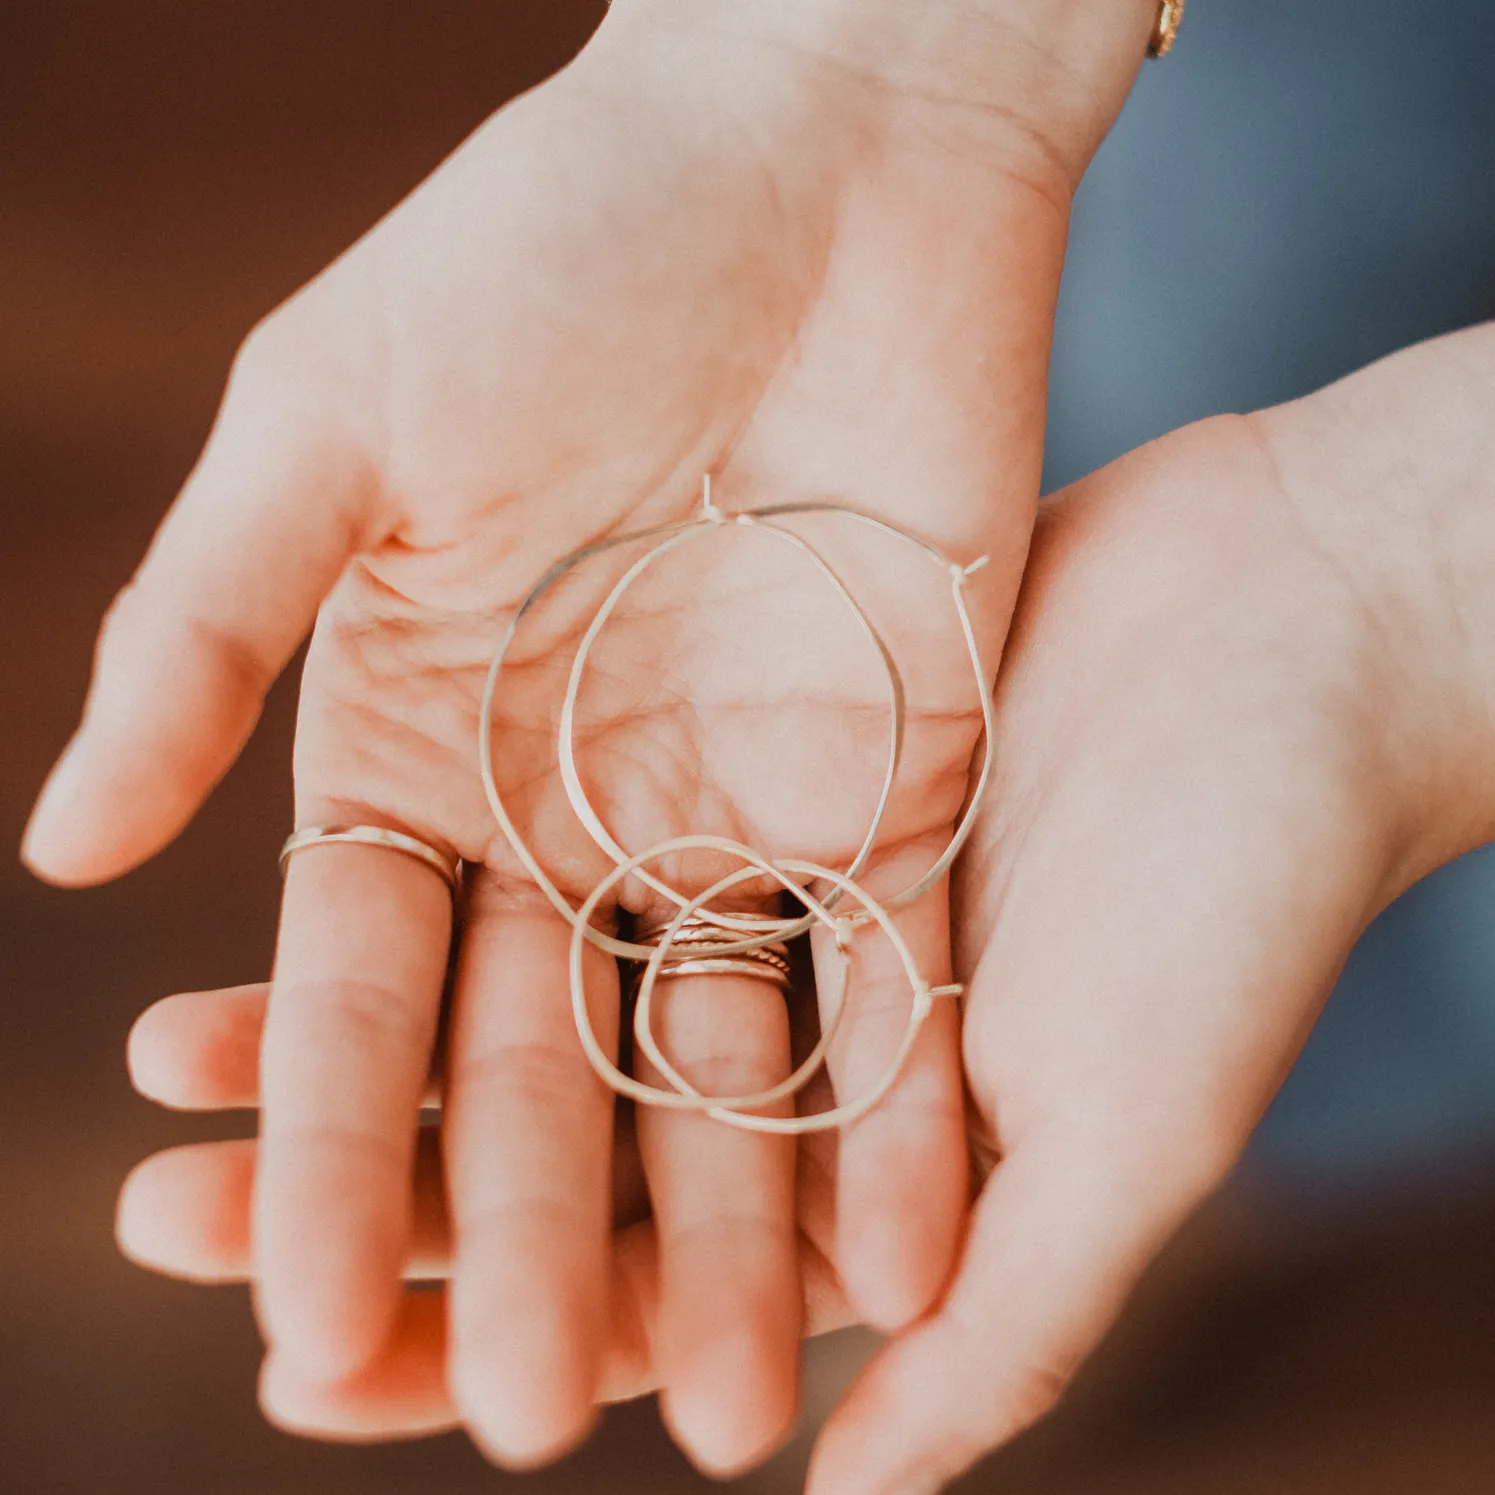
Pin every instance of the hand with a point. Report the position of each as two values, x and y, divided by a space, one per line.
731 245
186 1212
1250 695
1248 698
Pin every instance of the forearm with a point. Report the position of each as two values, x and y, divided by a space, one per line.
1394 471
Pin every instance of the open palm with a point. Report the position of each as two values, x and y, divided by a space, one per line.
648 269
1192 820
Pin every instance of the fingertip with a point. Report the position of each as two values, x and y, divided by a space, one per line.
199 1051
894 1269
184 1212
523 1450
291 1403
896 1249
154 1069
524 1410
347 1412
171 703
327 1343
521 1427
728 1405
904 1188
524 1374
55 844
105 809
135 1217
327 1319
402 1394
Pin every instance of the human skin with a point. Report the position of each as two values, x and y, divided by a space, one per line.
1249 698
813 249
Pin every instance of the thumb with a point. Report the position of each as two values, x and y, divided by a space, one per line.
267 520
1054 1249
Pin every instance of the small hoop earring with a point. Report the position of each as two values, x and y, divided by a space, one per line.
730 1109
566 735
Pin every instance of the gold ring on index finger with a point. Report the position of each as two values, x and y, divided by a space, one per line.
447 868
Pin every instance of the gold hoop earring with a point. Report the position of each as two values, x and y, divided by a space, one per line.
751 934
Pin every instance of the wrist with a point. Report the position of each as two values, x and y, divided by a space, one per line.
1041 77
1393 472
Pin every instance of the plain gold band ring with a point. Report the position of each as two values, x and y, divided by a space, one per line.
447 868
747 964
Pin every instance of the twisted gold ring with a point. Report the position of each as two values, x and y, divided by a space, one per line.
694 949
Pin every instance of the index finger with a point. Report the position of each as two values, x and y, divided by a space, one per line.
359 970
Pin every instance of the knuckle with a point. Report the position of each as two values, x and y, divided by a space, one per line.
276 380
903 1123
293 365
750 1239
726 1073
366 1016
119 625
142 624
490 897
314 1144
482 1227
265 357
1035 1391
535 1072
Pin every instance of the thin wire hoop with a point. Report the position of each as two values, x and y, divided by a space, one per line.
643 1031
666 534
723 1108
566 735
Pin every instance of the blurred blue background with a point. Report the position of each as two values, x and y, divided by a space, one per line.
1296 191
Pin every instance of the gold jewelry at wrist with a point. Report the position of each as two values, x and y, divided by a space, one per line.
1165 28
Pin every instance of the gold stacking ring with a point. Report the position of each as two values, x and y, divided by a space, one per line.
693 946
447 868
750 963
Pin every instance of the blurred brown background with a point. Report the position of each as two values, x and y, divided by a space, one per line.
168 172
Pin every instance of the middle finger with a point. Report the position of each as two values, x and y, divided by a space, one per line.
730 1297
